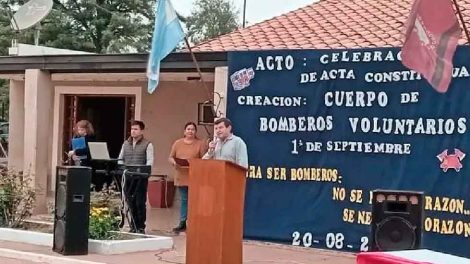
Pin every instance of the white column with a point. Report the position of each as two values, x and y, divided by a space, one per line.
220 89
16 126
38 133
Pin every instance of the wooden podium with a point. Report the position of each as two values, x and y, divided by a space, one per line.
215 216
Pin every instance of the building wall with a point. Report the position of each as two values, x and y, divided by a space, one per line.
35 120
166 111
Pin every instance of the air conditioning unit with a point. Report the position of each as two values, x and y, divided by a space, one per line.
206 114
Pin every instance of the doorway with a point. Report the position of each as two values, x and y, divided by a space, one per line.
109 115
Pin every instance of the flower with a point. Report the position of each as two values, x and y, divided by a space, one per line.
102 222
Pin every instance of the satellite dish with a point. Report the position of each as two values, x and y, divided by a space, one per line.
30 14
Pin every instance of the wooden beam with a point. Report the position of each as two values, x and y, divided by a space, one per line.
15 77
97 63
98 77
186 76
129 77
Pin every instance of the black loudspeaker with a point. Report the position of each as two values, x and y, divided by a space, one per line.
397 219
72 209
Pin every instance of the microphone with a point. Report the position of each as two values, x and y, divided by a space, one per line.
215 140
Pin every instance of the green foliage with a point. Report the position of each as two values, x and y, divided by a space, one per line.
6 33
211 18
102 223
104 213
100 26
17 198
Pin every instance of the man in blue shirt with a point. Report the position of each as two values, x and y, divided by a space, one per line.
227 146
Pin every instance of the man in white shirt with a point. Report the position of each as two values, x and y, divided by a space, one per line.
227 146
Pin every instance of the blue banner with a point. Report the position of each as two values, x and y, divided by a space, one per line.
324 128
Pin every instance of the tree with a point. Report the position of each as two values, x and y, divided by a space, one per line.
6 36
103 26
6 33
211 18
100 26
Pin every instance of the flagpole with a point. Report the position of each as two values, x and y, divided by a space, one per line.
209 94
461 20
244 12
197 66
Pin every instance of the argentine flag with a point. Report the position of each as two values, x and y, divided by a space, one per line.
166 35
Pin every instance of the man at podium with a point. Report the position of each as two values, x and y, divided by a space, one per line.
227 146
216 200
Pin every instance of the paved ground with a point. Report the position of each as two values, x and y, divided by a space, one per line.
161 221
253 253
16 261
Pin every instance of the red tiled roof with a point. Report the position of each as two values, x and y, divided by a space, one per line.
327 24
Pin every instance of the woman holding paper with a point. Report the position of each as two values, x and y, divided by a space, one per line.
188 147
83 133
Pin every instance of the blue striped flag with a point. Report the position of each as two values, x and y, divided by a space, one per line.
166 36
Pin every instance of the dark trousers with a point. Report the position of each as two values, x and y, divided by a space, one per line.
117 179
135 189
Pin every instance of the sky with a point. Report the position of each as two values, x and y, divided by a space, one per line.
256 10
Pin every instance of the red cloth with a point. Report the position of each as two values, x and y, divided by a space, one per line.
431 37
383 258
